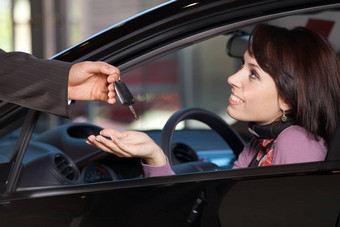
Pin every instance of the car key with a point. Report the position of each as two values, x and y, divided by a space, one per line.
125 96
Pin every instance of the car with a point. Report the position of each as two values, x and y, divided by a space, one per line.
175 59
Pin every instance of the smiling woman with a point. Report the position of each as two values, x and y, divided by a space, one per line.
254 95
301 62
275 91
296 62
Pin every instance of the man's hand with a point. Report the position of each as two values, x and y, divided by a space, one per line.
92 81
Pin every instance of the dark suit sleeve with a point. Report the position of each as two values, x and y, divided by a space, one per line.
35 83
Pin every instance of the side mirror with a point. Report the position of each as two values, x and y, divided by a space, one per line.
237 45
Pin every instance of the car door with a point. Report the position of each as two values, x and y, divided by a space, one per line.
290 196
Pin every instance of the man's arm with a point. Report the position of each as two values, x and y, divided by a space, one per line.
35 83
47 85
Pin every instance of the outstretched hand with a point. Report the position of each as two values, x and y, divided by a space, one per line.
92 81
129 144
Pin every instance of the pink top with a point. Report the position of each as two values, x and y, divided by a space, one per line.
157 171
293 145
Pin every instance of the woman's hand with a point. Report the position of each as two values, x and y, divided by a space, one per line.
129 144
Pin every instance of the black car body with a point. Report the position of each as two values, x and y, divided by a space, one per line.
35 191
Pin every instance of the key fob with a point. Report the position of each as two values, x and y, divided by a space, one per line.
125 96
123 93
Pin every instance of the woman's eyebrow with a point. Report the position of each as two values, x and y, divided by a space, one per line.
256 66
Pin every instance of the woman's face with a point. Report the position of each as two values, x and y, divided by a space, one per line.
254 95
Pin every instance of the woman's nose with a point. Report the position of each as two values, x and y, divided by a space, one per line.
233 80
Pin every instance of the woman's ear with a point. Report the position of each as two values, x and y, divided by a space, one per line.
284 106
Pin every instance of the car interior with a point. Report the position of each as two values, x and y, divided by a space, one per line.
181 100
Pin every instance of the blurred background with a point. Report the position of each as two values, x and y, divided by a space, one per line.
161 87
46 27
195 76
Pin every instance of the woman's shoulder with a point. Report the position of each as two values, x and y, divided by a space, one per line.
293 130
295 144
299 134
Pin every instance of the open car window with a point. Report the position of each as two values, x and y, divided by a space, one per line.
194 76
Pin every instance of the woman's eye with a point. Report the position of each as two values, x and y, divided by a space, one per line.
253 75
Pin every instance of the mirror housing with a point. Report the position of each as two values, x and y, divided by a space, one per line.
237 45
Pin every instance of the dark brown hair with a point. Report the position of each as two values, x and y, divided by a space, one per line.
306 72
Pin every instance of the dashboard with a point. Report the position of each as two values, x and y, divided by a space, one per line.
61 157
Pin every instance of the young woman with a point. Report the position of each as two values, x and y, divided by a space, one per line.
288 89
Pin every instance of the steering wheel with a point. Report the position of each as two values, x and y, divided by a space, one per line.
214 121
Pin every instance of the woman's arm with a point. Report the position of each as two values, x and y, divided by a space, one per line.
247 155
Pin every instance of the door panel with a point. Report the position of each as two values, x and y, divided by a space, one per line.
300 200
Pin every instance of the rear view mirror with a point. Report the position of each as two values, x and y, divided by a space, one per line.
237 45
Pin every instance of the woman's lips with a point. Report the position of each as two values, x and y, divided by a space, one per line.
234 100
